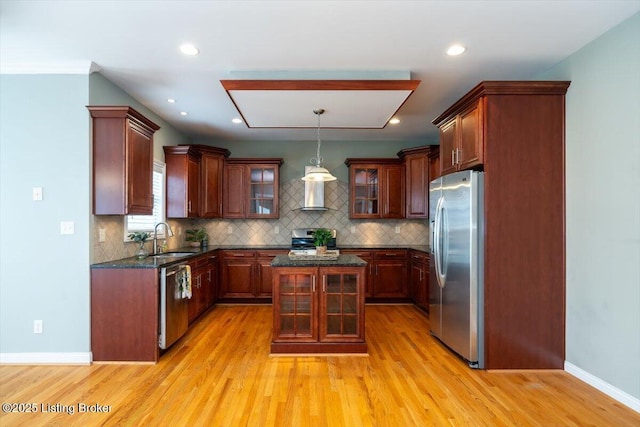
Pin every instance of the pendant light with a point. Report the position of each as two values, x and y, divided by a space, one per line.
317 172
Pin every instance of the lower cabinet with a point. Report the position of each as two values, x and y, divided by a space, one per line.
419 280
318 310
246 274
124 314
386 276
204 283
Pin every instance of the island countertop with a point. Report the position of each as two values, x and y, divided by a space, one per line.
344 260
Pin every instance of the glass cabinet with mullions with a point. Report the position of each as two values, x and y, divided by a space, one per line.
318 305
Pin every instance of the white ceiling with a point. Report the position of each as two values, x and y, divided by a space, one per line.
135 44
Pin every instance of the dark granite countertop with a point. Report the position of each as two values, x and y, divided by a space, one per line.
422 248
158 262
342 261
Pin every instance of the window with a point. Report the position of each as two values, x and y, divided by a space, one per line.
147 222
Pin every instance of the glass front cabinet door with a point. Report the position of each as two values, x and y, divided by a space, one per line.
263 191
340 305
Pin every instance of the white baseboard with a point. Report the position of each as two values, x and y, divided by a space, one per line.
46 358
603 386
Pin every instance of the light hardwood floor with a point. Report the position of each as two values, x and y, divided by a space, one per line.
221 374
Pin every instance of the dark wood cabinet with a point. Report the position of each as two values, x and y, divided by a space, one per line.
318 310
246 274
194 181
203 284
122 161
385 275
264 285
376 188
462 139
251 188
418 164
419 279
183 181
365 255
515 131
124 314
234 189
434 163
211 178
389 274
238 274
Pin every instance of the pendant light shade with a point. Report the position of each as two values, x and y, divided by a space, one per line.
317 172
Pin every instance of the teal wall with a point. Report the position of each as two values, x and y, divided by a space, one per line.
44 142
603 206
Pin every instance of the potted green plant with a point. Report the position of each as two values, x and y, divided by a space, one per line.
320 238
197 237
140 237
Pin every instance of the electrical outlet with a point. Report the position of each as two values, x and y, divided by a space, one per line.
276 230
102 235
397 229
230 230
353 229
37 326
67 227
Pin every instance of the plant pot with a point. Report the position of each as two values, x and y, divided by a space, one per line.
321 250
194 244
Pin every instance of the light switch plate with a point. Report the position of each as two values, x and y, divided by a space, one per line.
37 194
67 227
276 230
397 229
102 235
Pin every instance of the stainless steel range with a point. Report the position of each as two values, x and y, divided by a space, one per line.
302 238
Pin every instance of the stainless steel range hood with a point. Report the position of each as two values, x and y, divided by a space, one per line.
313 194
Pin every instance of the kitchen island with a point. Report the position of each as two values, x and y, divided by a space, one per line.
318 305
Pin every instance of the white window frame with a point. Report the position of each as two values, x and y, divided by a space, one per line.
160 211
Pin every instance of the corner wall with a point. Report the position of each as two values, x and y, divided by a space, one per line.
44 142
603 211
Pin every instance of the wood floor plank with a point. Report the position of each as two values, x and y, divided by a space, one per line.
221 374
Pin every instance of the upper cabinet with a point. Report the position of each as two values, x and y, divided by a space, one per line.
376 188
194 181
419 163
211 176
461 139
251 188
122 161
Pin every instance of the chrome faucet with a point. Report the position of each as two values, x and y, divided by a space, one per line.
155 235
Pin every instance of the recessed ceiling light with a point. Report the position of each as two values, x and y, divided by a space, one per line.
183 113
189 49
394 121
171 101
455 50
236 120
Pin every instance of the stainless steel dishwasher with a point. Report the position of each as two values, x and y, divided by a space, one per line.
174 309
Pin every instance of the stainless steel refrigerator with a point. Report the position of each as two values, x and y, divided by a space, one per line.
456 219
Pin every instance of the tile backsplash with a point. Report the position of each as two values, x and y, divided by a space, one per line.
273 231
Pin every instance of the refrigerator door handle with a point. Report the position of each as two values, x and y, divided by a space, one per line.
438 244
